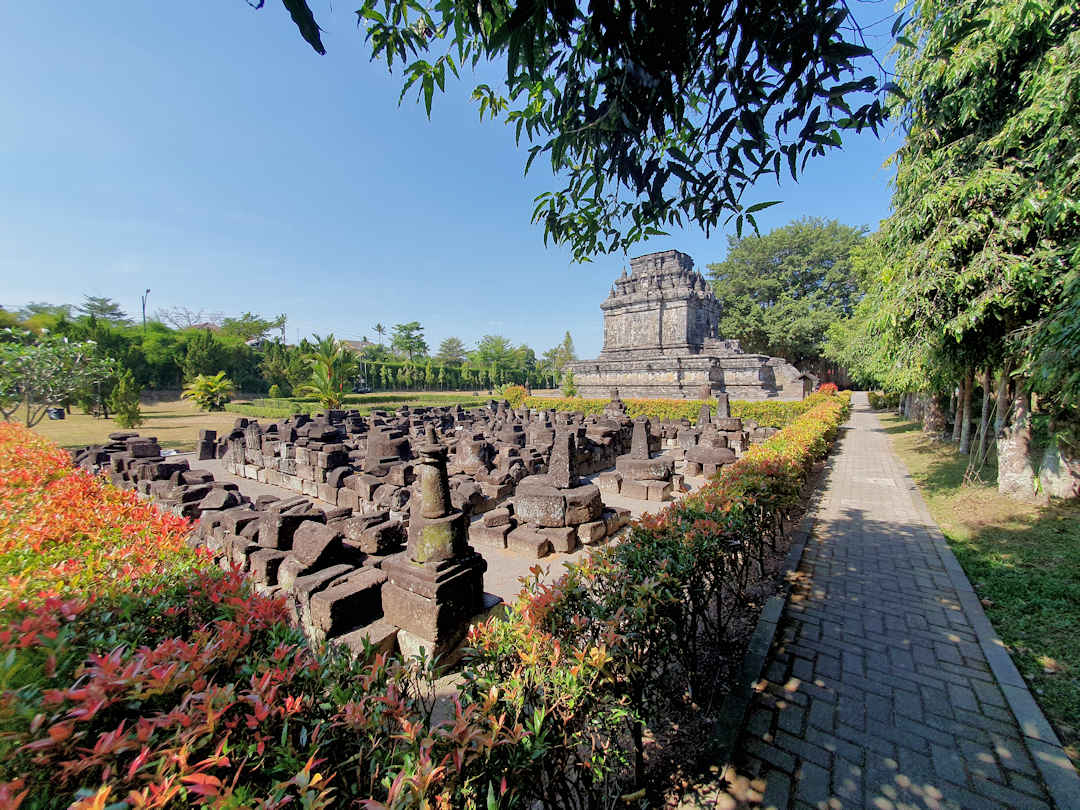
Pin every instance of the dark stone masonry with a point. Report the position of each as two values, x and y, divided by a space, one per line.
379 523
661 340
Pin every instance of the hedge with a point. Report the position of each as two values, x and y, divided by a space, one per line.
283 407
768 413
137 675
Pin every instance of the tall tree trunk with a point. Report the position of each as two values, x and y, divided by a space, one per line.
955 401
956 404
984 417
965 412
934 423
1016 475
1003 401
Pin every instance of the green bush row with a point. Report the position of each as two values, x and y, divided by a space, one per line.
279 408
880 401
769 413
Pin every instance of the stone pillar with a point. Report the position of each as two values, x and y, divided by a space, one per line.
562 467
639 442
723 406
437 585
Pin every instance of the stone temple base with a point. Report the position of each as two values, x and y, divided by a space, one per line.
659 374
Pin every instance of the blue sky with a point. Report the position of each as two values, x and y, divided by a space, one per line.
203 150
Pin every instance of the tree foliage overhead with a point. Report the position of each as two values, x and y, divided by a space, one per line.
654 114
979 259
781 291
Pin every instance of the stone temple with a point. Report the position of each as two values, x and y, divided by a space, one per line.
660 340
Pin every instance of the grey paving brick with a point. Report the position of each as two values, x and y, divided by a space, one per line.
771 754
822 715
936 701
791 719
1025 784
1012 755
806 751
1007 796
962 697
812 783
980 761
948 763
777 791
847 782
988 693
908 704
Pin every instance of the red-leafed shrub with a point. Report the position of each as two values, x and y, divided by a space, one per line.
827 388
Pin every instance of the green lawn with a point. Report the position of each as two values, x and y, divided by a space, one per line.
364 403
1024 561
175 423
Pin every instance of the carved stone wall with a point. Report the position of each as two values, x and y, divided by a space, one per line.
661 340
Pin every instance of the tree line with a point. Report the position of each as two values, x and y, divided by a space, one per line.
970 308
95 356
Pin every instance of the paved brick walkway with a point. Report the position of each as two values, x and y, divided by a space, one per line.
879 692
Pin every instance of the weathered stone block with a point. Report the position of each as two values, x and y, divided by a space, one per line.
609 483
592 532
616 519
528 542
377 538
540 504
638 490
277 530
264 565
658 490
378 637
219 499
645 469
347 602
489 536
583 504
563 539
289 570
497 517
443 623
305 586
316 545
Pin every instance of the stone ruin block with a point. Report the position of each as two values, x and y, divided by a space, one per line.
528 542
346 603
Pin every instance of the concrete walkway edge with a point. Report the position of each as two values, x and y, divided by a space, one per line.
1057 771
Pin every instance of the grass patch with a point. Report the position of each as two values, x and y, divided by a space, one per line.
1023 558
176 423
364 403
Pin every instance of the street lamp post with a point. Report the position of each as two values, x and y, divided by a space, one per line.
145 296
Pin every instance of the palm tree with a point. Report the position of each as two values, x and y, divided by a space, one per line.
210 392
380 330
333 365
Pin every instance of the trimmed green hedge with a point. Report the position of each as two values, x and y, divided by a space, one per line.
267 408
769 413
